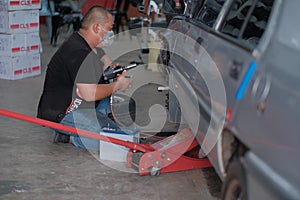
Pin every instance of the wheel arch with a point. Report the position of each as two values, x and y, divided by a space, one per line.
230 148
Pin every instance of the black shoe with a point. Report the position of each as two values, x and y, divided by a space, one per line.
111 117
61 138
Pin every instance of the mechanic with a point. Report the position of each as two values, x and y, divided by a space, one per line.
74 93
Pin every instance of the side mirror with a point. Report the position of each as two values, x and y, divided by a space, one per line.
171 8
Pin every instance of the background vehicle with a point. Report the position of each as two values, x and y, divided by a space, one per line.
255 46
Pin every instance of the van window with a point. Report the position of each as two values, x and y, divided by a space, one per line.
210 11
246 20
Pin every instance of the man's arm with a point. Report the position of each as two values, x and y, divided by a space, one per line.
95 92
106 60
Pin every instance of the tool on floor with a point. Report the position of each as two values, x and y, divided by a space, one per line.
175 153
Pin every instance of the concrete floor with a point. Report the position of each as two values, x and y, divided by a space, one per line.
32 167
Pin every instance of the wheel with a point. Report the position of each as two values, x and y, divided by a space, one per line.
234 186
155 171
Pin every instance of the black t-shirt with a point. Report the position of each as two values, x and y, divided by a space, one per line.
74 62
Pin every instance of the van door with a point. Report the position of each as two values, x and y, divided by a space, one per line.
267 119
231 46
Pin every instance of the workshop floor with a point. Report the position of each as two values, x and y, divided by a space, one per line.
32 167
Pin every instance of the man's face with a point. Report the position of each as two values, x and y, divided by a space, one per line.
108 26
103 30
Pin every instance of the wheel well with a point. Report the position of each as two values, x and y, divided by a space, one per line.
232 148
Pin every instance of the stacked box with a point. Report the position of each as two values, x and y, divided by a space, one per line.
20 5
33 67
25 21
19 44
11 67
19 39
11 45
18 67
33 43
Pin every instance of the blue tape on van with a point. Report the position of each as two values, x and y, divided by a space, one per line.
246 80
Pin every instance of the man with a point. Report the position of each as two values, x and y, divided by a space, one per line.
73 87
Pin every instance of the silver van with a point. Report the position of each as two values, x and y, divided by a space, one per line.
234 73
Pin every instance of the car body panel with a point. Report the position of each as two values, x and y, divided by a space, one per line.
272 134
263 102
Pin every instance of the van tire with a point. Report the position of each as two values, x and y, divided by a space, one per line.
234 186
213 181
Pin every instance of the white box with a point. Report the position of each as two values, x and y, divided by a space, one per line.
33 21
33 43
24 21
13 22
114 152
20 4
13 68
19 44
12 45
34 66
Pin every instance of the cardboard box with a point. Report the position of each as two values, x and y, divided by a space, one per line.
33 21
113 152
13 22
24 21
20 4
33 43
12 45
13 68
19 44
34 66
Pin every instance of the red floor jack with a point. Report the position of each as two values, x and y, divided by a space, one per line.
175 153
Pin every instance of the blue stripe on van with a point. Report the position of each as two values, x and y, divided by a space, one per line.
246 80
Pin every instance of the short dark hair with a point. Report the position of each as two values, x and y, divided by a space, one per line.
94 14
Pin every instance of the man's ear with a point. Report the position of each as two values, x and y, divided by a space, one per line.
96 28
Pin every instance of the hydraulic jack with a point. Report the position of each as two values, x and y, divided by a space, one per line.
175 153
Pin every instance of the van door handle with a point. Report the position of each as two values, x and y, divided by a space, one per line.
261 98
235 69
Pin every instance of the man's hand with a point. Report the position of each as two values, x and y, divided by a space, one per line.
115 65
94 92
123 84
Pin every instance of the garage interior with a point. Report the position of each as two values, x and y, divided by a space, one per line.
33 167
